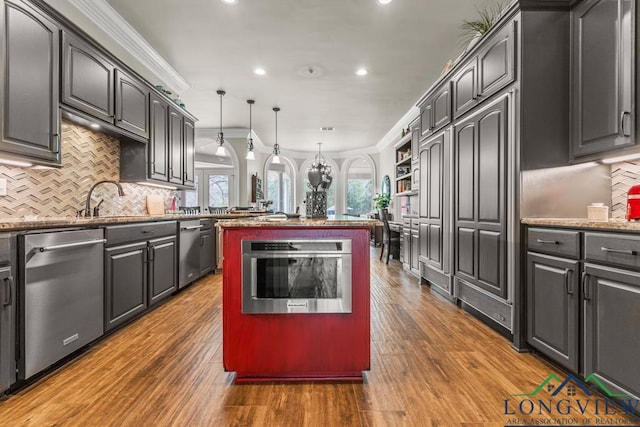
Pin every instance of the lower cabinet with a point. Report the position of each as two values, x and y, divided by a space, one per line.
207 252
415 248
611 321
553 307
141 269
162 268
125 283
584 313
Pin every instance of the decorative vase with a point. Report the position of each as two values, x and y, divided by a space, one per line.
316 204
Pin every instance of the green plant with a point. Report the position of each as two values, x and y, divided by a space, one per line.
487 17
382 200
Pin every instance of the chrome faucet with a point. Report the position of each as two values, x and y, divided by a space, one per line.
87 208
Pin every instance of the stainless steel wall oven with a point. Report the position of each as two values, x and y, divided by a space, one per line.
296 276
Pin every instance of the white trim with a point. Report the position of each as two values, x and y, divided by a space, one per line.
108 20
345 172
294 179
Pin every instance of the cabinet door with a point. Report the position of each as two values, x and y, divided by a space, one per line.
406 246
189 152
480 217
125 283
442 107
7 329
175 147
132 104
415 250
431 198
553 306
465 91
207 252
496 67
424 183
603 70
415 139
159 139
611 345
163 271
426 119
30 75
87 79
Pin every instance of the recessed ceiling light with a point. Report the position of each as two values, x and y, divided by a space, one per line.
259 71
362 72
384 1
236 1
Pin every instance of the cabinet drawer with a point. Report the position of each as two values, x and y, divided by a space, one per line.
118 234
617 249
556 242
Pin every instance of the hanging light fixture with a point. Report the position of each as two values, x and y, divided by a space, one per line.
250 154
221 151
276 147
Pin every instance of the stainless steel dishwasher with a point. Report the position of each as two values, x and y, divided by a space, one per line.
189 266
61 296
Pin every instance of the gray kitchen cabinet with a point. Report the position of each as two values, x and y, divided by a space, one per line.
434 241
141 265
553 308
435 111
480 146
496 66
189 151
162 256
87 78
125 283
414 127
406 244
132 104
30 124
603 73
415 247
175 145
207 247
611 345
158 139
465 88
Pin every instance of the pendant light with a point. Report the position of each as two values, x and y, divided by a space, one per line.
276 147
250 154
221 151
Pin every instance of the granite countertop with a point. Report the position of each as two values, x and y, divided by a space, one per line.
332 221
612 224
18 224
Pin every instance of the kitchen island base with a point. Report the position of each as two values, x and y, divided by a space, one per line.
296 344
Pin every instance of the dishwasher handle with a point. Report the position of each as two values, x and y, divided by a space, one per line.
190 228
71 245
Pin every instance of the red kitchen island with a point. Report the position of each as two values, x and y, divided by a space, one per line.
296 299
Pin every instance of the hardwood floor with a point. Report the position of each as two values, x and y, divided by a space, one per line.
431 364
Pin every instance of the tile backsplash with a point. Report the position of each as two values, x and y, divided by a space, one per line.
623 176
88 157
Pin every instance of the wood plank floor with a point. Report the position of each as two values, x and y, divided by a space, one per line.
432 364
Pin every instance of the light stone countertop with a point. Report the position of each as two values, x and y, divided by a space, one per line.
612 224
338 221
19 224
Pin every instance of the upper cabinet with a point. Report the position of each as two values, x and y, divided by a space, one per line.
92 84
159 138
435 111
465 88
87 78
189 147
603 71
29 75
132 105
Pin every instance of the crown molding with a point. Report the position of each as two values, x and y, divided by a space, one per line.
396 131
108 20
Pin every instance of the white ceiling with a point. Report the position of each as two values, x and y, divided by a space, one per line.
404 45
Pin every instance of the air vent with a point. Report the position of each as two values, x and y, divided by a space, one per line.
328 129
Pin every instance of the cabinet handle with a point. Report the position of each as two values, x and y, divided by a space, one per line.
548 242
618 251
585 286
8 286
567 281
622 121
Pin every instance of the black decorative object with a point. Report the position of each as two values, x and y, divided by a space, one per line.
316 203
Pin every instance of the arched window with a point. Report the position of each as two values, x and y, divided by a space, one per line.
359 186
280 184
